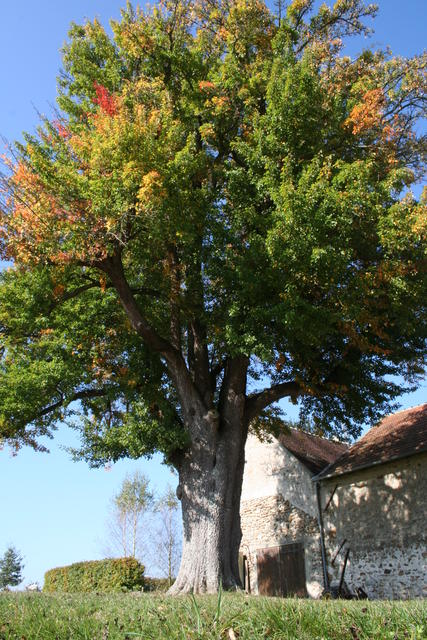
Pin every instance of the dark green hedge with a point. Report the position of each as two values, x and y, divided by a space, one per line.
156 584
112 574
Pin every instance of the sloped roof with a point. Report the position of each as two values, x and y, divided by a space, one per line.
398 435
313 451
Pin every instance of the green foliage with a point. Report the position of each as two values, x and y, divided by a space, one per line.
11 566
155 617
249 183
127 521
134 495
109 575
58 349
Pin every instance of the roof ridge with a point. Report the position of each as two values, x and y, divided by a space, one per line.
389 415
313 435
400 438
417 406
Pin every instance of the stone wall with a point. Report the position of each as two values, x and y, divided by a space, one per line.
270 470
381 512
279 507
273 521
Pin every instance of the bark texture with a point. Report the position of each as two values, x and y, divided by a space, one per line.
216 412
210 477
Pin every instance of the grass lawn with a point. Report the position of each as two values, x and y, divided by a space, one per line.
229 617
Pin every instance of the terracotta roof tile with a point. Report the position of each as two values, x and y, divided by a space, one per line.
314 452
397 436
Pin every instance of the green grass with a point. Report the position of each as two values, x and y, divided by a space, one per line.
146 616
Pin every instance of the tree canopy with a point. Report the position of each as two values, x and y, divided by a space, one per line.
216 183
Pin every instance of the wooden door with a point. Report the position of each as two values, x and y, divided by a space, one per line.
281 571
268 570
292 569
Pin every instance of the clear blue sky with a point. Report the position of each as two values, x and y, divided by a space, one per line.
54 510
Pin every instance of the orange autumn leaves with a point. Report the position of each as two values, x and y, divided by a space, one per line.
61 204
27 224
368 116
39 226
367 113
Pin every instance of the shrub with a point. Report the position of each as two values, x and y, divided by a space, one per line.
111 574
156 584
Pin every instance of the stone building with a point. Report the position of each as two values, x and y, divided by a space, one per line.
316 513
374 507
280 547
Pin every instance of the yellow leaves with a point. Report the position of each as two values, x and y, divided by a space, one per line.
110 223
151 189
364 336
223 34
297 6
367 114
100 368
151 178
419 222
207 132
131 172
220 103
32 212
154 118
405 225
134 37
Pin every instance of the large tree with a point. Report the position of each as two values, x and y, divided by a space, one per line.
217 217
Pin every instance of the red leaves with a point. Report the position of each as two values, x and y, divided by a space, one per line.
63 132
105 100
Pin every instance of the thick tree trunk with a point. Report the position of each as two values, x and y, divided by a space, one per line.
211 469
210 477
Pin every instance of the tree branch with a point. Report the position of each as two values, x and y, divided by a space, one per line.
74 293
202 375
256 402
188 393
69 295
175 324
79 395
234 381
114 268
